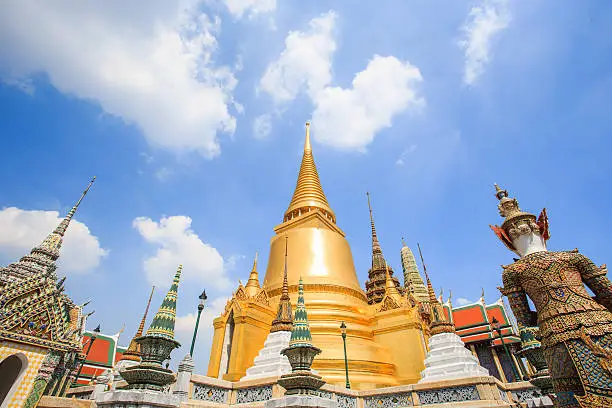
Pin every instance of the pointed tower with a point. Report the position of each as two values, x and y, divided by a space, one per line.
308 194
448 358
156 346
412 278
284 319
133 351
270 362
301 353
375 285
252 287
165 318
42 258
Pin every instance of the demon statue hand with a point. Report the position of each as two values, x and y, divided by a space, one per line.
575 329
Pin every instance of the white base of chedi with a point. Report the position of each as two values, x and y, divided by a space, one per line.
449 359
270 362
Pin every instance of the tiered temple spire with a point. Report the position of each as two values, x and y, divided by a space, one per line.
252 286
439 322
133 351
42 257
163 322
308 193
412 278
284 318
300 333
376 283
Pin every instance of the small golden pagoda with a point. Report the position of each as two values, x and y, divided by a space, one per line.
385 340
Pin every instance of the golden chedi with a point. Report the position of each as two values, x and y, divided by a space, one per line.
385 340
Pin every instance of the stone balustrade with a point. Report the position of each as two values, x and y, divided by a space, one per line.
476 392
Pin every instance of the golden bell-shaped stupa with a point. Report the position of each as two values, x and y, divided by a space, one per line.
320 255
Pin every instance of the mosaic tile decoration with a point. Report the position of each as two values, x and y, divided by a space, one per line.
388 401
253 394
524 395
205 392
455 394
345 401
35 356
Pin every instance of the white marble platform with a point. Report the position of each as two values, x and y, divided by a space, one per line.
448 359
270 362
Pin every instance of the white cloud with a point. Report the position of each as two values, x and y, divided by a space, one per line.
342 118
463 301
306 62
408 151
178 244
163 174
482 24
184 331
151 66
252 8
24 229
350 118
262 126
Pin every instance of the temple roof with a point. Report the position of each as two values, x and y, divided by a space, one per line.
308 194
473 322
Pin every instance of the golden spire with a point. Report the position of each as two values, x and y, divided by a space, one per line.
390 287
252 285
430 289
284 317
133 350
308 193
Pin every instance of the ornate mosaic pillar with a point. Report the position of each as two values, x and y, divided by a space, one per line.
42 379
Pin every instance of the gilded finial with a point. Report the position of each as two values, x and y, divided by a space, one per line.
308 194
404 242
284 316
307 141
390 287
252 286
133 350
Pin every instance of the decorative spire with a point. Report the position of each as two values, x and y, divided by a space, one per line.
376 250
252 286
390 287
300 333
413 281
439 322
430 289
163 322
133 350
52 244
284 318
308 193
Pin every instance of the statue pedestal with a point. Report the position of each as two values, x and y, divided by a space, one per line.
301 401
270 362
448 359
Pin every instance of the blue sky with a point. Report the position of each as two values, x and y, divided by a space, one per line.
192 116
